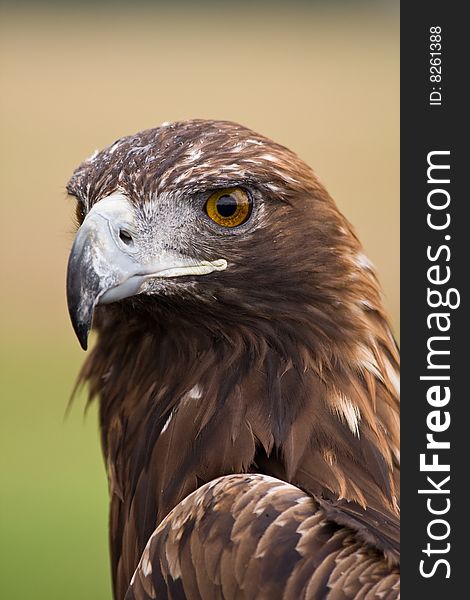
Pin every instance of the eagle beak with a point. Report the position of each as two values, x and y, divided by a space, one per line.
105 263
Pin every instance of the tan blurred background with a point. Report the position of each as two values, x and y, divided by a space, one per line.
320 78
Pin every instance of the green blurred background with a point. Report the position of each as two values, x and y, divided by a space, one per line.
321 78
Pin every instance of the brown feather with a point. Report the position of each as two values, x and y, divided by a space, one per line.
282 543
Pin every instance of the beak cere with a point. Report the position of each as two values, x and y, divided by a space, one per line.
105 264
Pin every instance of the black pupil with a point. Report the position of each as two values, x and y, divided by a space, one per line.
226 206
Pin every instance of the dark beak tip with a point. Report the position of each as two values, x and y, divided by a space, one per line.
83 339
81 277
81 331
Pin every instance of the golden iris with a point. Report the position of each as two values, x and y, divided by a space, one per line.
229 207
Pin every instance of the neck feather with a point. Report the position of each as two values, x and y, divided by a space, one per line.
179 407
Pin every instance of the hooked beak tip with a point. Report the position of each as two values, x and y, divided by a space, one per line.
82 335
83 286
81 327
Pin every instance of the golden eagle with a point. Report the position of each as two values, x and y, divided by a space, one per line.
246 374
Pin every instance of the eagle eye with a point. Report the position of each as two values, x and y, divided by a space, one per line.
229 207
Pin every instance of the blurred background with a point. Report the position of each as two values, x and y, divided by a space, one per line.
321 78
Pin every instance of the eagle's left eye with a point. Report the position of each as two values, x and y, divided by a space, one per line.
229 207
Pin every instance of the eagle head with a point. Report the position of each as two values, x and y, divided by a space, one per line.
228 226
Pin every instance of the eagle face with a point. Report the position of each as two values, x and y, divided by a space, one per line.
208 213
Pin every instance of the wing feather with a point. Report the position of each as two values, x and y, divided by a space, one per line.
255 537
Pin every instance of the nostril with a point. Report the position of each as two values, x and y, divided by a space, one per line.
126 237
